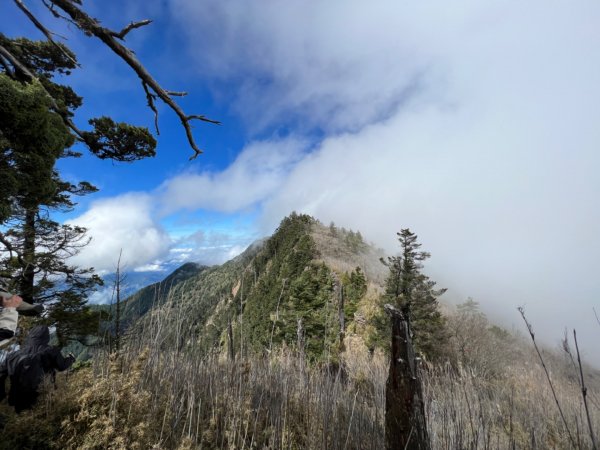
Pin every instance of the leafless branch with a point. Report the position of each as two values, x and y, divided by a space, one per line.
596 314
18 66
203 119
584 393
531 333
132 26
43 29
92 27
55 13
10 248
150 97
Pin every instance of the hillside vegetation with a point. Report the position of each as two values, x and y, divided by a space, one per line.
285 347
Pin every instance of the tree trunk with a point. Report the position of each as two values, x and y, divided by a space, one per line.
405 425
27 283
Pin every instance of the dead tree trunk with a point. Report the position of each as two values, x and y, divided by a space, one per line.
405 425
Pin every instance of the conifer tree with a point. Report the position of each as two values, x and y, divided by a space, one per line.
415 294
355 287
35 249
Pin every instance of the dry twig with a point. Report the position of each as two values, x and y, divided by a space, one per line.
532 334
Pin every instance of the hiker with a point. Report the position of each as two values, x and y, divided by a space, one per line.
11 306
28 366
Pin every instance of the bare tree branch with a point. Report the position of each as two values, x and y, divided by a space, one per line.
150 98
92 27
596 314
18 66
176 93
532 335
584 393
43 29
10 248
132 26
203 119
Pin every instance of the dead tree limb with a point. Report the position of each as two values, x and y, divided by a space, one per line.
111 38
132 26
45 31
584 393
405 424
562 415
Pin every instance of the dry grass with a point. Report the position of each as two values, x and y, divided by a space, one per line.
159 392
517 411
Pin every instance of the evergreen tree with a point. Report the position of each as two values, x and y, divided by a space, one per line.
33 137
415 295
355 287
310 300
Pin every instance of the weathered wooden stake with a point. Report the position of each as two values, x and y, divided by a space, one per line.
405 425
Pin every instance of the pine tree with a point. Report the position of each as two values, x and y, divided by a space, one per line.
33 137
355 287
415 295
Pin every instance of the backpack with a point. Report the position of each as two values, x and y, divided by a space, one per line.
26 370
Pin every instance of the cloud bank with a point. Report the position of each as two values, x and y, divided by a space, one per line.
122 223
257 172
473 123
132 222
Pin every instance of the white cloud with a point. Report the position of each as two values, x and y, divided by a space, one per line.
334 64
213 247
150 267
256 173
474 123
125 223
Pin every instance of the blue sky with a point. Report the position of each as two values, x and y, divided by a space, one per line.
473 123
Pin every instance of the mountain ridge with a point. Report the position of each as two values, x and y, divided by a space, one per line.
294 279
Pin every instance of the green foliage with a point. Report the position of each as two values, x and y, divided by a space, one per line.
415 294
35 132
310 302
355 287
380 334
355 241
267 285
44 58
73 318
31 139
156 294
262 294
119 141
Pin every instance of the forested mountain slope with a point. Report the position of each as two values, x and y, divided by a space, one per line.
307 285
